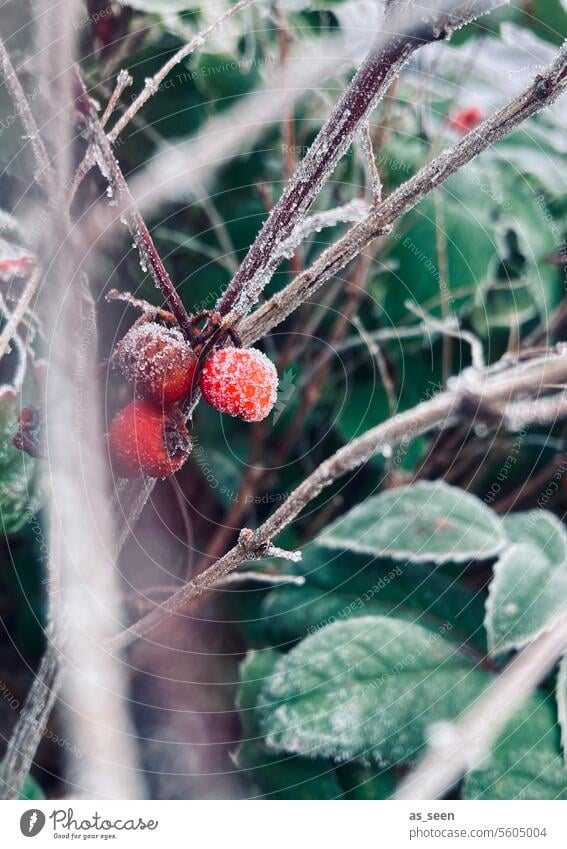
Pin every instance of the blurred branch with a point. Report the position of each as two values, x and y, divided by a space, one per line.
458 747
31 725
44 173
546 89
19 311
473 390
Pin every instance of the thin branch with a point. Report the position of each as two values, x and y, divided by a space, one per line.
545 90
153 83
459 747
19 310
44 172
496 384
450 327
32 723
110 168
123 81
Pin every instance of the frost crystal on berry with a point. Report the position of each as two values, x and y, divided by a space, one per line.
240 382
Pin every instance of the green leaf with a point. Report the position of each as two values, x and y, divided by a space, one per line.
425 522
528 592
280 777
540 528
368 688
526 761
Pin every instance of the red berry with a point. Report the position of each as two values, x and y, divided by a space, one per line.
145 439
466 119
158 361
241 382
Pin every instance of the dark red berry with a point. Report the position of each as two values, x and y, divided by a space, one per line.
143 439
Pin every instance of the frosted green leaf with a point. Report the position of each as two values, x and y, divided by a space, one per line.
368 688
277 776
541 528
425 522
527 595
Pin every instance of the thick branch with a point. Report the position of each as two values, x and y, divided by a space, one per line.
495 385
545 89
370 83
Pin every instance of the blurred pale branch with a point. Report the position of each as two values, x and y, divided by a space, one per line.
461 746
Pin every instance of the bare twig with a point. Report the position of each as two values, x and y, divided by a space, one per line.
449 327
459 747
32 723
123 81
19 310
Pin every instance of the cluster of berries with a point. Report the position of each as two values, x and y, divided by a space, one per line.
150 434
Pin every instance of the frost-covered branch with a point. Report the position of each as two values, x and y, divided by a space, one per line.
108 164
44 171
153 83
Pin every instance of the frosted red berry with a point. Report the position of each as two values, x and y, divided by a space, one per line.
158 361
143 439
466 119
241 382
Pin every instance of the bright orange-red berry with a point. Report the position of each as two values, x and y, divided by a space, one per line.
241 382
158 361
143 439
465 119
